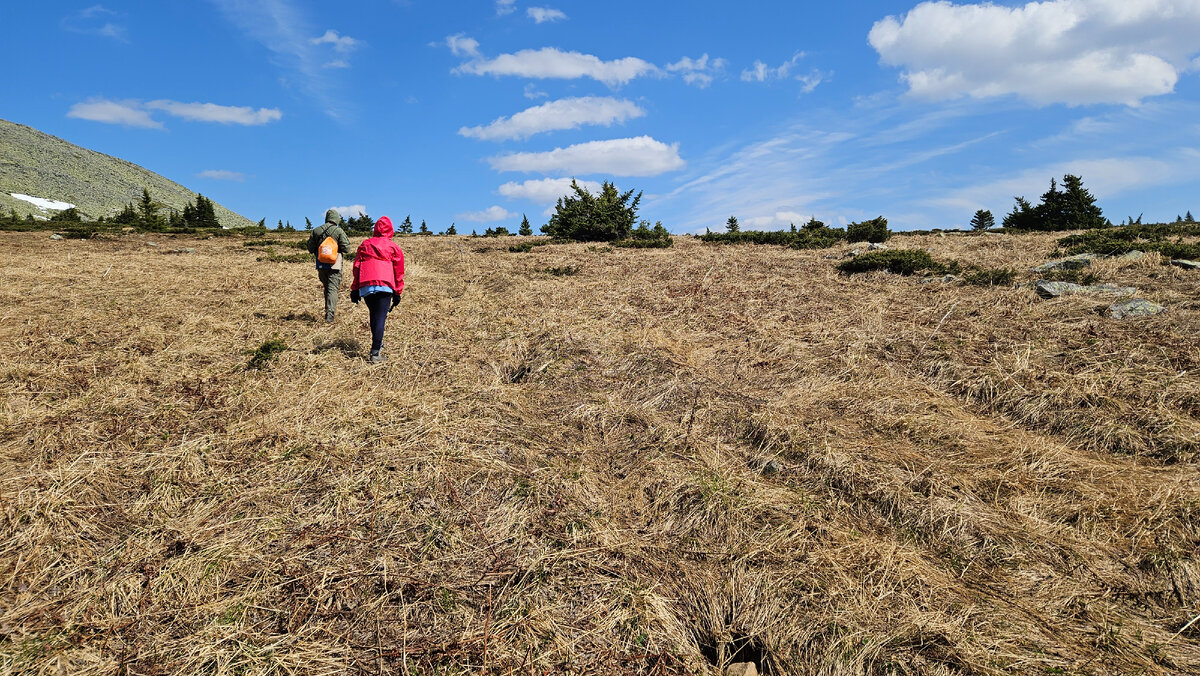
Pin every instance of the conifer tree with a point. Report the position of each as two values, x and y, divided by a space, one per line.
1077 208
307 223
526 229
732 225
424 228
451 231
406 226
1187 218
983 220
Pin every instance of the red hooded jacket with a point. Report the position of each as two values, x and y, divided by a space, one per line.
379 260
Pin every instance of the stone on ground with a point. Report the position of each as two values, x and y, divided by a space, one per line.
1134 307
1047 289
1185 264
741 669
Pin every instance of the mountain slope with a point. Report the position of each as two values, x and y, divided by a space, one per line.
46 167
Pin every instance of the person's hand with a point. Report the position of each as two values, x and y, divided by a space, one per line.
354 296
395 300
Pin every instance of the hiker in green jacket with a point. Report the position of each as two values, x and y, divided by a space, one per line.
330 273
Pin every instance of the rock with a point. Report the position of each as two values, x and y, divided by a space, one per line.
151 243
1073 263
854 252
766 467
1134 307
944 279
1131 256
741 669
181 251
1186 265
56 237
1047 289
876 246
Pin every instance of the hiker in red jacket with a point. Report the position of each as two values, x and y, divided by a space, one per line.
378 280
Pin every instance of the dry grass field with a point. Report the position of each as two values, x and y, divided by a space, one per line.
670 461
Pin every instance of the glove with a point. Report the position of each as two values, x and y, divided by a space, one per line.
395 300
354 296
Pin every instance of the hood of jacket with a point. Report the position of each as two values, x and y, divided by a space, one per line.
383 228
332 216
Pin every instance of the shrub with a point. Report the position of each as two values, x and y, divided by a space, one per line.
874 231
899 261
584 217
523 247
266 353
263 242
993 277
564 271
1120 240
645 237
273 257
809 237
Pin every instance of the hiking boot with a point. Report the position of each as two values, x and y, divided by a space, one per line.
376 357
328 317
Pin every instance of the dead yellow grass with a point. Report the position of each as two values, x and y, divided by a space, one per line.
566 474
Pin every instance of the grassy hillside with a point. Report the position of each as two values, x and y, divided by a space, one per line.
662 463
40 165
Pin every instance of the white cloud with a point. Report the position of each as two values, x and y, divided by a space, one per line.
283 28
461 45
486 216
352 211
505 7
211 112
700 72
342 44
222 175
95 20
532 92
1059 51
810 81
546 190
761 72
555 116
640 156
551 63
127 113
544 14
338 63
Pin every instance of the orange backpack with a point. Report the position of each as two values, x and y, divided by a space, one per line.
327 253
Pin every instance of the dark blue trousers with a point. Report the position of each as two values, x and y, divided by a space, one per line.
379 304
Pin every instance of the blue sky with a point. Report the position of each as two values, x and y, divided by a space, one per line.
477 111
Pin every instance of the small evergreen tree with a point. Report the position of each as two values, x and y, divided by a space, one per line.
1022 217
584 217
526 229
1077 208
424 228
262 223
732 225
451 231
983 220
70 215
307 223
814 224
407 226
874 231
1187 218
793 228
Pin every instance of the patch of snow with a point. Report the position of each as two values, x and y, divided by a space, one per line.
43 203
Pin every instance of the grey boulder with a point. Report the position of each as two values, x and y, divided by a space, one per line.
1134 307
1047 289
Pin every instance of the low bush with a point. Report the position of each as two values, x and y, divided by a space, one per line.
898 261
646 237
266 353
992 277
874 231
263 242
563 271
523 247
1122 239
273 257
814 235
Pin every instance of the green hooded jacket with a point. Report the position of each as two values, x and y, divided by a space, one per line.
331 228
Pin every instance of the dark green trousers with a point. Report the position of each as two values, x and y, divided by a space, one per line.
332 279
